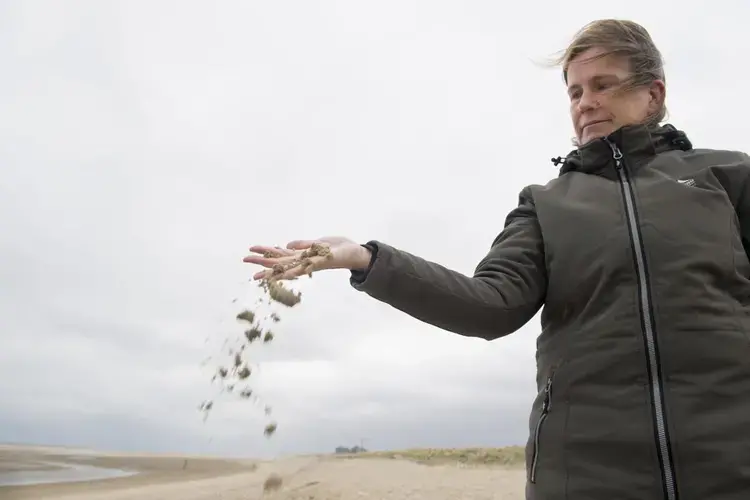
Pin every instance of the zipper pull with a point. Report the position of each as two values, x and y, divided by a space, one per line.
545 404
616 154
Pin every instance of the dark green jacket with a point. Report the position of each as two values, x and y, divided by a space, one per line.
637 251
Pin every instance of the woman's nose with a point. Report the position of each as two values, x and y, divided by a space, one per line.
587 102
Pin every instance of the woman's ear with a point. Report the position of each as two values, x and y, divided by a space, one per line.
657 94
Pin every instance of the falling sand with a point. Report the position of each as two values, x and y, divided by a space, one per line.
236 371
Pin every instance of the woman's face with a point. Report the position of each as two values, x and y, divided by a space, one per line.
596 110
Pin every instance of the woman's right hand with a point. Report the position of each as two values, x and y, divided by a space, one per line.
305 256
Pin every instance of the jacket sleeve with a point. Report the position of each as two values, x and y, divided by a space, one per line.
743 212
734 177
507 289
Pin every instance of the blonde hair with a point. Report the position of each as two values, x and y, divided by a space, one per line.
623 38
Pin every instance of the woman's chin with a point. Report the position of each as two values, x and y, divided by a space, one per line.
595 131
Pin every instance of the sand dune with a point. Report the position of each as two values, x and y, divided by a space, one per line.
303 478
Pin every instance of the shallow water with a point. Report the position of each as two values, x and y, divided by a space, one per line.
66 473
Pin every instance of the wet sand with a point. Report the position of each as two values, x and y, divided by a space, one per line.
304 478
152 470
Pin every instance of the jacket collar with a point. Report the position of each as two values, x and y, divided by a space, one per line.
636 142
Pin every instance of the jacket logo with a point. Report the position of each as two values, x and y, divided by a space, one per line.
687 182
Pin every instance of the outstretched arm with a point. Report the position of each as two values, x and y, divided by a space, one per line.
508 286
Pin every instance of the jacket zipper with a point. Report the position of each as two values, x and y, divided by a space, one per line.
647 323
538 430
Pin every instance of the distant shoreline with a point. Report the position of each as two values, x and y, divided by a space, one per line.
106 471
35 473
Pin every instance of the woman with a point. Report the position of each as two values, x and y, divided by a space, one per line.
637 251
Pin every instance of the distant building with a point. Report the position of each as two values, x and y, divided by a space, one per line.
345 450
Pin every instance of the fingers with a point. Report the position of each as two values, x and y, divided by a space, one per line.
260 260
300 244
305 266
273 251
268 261
267 256
289 274
262 275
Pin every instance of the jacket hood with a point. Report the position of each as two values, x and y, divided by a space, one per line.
635 141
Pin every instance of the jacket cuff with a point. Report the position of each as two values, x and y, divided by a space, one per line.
358 276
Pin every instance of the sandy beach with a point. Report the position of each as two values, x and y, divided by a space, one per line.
396 476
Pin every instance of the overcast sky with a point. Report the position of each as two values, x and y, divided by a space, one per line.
144 145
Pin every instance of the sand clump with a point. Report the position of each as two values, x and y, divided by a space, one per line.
272 483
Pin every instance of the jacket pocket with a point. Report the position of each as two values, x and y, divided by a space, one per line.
536 447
